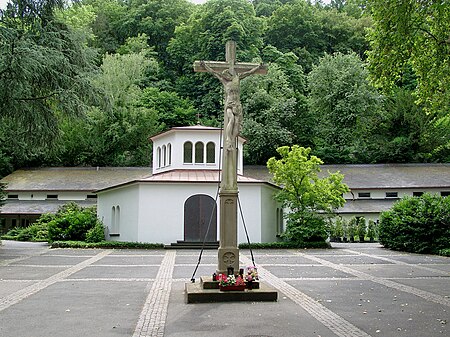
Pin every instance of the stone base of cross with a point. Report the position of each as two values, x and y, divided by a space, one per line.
229 74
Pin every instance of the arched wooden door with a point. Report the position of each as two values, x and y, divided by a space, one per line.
198 210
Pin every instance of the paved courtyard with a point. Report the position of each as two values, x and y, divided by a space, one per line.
351 290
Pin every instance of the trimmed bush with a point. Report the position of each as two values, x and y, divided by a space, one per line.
417 224
285 245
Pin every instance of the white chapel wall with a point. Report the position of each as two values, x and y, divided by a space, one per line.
161 217
126 199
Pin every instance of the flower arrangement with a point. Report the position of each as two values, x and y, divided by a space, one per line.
230 280
252 274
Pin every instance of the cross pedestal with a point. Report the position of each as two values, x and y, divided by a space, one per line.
228 253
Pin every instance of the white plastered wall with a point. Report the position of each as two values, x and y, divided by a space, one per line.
126 198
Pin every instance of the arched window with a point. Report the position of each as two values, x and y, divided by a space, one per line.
158 156
113 219
169 154
187 153
117 227
210 153
164 154
199 155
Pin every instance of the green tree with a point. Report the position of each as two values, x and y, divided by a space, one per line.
45 67
409 34
400 132
115 133
275 108
343 102
309 198
172 110
157 19
310 31
203 37
2 194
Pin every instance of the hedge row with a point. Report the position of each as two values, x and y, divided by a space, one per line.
106 245
417 224
285 245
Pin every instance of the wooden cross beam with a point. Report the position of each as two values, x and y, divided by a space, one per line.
230 63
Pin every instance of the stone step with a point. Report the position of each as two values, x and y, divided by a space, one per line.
192 245
194 293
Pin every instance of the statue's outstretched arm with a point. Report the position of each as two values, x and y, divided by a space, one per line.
219 75
251 71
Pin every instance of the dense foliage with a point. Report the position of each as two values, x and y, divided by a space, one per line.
87 82
311 199
70 222
417 224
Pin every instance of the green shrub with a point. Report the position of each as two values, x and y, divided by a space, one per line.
339 227
72 222
96 233
372 231
284 245
36 232
445 252
417 224
301 229
106 245
352 227
361 228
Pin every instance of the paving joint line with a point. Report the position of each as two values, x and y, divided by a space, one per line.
328 318
14 298
402 263
388 283
152 320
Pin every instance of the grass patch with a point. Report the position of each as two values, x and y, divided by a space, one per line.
106 244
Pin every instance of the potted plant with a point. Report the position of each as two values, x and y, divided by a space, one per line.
339 228
344 230
251 276
371 230
352 228
361 228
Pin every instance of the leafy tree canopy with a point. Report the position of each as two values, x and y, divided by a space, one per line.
343 102
409 34
44 67
305 193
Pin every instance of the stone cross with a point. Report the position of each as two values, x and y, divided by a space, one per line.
229 74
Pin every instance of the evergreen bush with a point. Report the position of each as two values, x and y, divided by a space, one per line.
417 224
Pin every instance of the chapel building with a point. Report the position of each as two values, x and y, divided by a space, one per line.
178 204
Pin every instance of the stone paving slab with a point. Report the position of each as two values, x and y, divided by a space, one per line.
130 260
50 260
353 259
29 272
389 271
377 308
100 309
118 271
306 271
353 290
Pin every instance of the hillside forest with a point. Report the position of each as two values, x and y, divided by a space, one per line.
87 82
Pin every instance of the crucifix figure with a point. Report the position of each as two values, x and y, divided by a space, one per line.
229 73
